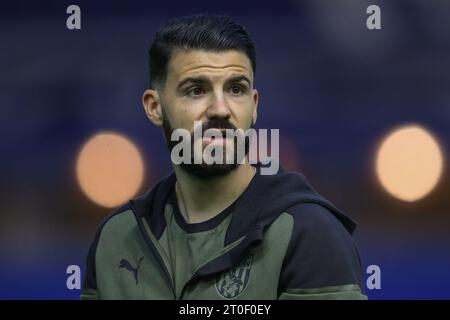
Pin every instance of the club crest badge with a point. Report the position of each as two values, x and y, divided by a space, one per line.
233 282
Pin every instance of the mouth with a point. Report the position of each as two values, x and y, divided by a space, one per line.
218 138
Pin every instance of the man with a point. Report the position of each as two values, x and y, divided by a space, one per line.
221 230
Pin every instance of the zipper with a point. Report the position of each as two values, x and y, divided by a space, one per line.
196 275
146 234
155 251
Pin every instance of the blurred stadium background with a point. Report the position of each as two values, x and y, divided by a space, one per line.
332 87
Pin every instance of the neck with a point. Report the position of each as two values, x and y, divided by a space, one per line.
202 199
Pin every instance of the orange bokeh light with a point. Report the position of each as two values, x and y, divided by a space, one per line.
409 163
109 169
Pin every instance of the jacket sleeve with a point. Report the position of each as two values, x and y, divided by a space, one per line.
90 290
322 260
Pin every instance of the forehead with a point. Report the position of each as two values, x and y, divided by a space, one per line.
187 63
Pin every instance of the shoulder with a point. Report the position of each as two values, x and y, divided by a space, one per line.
117 222
315 218
318 231
321 252
111 224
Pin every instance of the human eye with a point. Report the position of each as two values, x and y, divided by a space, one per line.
237 89
195 92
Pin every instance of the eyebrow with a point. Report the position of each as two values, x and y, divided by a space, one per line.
203 79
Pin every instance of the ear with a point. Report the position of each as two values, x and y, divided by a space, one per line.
255 109
152 105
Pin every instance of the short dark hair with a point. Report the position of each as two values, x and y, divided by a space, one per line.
206 32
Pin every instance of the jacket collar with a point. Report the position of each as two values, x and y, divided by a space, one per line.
264 200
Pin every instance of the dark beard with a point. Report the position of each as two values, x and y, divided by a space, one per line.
203 170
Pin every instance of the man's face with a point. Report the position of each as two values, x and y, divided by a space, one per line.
213 87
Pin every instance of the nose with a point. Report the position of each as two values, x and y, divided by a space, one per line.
218 107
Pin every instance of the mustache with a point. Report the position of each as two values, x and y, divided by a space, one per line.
214 123
217 123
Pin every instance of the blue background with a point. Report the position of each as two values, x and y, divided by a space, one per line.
332 87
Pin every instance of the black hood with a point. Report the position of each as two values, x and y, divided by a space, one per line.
264 200
266 197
